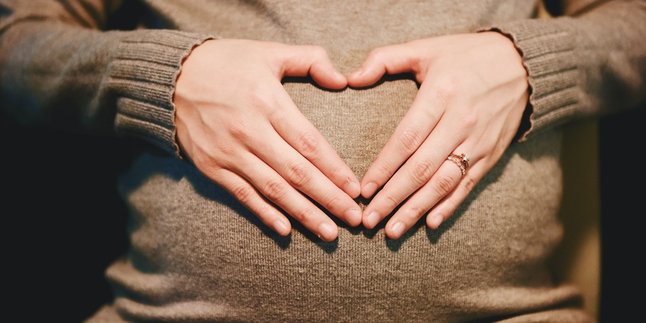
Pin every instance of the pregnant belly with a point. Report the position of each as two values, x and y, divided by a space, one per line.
196 254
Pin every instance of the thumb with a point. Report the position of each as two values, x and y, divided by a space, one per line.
313 61
393 59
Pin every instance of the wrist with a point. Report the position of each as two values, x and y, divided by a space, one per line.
515 59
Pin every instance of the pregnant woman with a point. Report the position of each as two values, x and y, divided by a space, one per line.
330 160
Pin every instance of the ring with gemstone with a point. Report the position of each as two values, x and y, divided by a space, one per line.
461 160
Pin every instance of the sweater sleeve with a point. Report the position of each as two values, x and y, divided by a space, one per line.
589 61
59 66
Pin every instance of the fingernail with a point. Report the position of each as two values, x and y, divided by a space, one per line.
397 229
353 216
369 189
436 220
327 231
281 227
372 219
354 188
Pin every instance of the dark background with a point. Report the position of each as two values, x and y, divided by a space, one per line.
64 220
622 178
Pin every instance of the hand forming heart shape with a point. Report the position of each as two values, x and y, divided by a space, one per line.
246 134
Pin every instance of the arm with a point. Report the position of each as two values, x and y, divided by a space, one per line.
58 67
474 93
232 116
591 60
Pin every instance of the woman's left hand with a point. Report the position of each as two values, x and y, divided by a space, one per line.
471 100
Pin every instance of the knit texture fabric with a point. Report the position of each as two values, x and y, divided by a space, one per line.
197 255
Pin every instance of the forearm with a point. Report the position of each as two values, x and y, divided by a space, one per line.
58 73
589 63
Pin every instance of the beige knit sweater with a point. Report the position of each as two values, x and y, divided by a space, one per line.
197 255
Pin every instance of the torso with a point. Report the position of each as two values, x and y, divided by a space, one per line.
196 252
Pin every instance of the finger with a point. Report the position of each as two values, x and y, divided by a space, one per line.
303 176
278 191
314 61
416 172
393 59
252 200
443 182
445 209
299 132
412 130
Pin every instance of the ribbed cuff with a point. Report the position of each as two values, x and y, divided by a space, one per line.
547 51
143 77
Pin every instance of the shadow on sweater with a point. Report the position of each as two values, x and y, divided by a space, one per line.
155 163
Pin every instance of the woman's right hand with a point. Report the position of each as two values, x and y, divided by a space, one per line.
240 128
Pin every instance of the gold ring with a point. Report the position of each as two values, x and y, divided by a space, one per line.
461 160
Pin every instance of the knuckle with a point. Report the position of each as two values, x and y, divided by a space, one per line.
229 163
308 144
276 115
267 211
303 215
226 147
242 194
446 90
383 169
275 190
430 115
259 99
409 141
469 121
444 185
469 183
331 203
338 175
421 172
297 175
239 131
265 214
218 175
202 159
414 212
390 201
208 162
